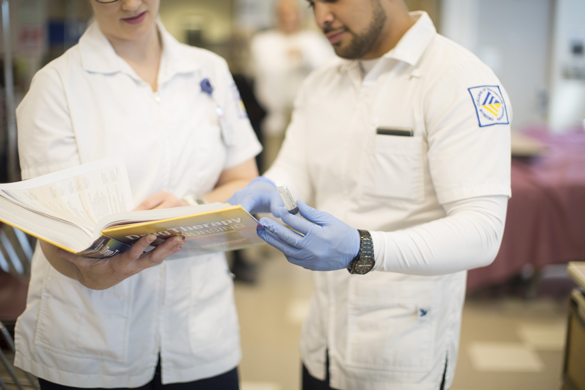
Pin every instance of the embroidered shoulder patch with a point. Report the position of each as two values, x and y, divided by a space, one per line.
490 106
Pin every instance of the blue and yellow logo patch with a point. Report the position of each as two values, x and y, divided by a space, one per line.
490 106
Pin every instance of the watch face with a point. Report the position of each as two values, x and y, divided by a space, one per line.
363 266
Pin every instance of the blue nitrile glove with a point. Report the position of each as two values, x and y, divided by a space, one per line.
259 196
328 243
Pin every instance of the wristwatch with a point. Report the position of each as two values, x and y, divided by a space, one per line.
194 200
364 261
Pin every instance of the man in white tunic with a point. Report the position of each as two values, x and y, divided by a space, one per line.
406 138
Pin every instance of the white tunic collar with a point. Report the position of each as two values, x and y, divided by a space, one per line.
98 55
411 46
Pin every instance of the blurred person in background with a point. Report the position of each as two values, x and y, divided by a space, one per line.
281 59
403 147
128 89
244 268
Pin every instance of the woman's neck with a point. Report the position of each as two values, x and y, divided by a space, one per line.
142 54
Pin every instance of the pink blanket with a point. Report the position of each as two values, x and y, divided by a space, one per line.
546 214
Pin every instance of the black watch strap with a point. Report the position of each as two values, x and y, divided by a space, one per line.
364 261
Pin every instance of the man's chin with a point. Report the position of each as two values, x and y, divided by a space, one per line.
345 54
348 49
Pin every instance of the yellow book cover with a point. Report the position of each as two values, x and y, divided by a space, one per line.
220 230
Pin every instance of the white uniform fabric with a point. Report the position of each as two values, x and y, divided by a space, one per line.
87 105
468 237
280 63
397 329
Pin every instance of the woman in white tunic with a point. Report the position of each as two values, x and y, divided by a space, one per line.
130 89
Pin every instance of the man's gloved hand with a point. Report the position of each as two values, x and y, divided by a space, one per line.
259 196
328 243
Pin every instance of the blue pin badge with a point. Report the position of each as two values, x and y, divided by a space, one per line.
207 87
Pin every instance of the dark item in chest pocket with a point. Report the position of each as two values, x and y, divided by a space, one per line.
395 131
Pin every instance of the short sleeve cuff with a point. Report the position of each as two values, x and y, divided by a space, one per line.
243 153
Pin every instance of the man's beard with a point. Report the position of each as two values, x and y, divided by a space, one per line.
363 43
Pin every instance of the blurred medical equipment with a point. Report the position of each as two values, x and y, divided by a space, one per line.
15 256
525 146
573 373
15 376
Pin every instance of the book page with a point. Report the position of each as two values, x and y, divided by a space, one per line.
143 216
83 194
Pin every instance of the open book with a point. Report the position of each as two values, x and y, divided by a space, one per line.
84 210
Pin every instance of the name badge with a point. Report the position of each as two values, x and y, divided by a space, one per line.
224 125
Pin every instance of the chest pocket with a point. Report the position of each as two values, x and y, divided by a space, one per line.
395 169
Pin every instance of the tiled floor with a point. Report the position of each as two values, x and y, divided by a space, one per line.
271 314
511 344
506 343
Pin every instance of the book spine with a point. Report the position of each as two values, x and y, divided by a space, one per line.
105 247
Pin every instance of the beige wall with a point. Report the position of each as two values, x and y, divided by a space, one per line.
567 98
216 15
432 7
